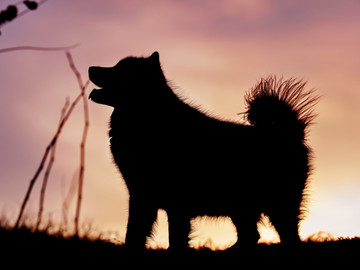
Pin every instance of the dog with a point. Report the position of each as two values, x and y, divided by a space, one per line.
175 157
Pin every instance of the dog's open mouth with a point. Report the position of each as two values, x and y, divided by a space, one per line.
93 94
98 96
98 75
102 96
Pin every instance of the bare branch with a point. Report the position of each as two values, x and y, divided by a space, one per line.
51 146
68 199
83 141
43 160
11 13
48 169
35 48
29 10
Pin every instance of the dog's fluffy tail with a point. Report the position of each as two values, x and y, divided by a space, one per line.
283 105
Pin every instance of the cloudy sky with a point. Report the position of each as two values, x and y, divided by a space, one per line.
212 52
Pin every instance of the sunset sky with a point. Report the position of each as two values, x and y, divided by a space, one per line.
212 52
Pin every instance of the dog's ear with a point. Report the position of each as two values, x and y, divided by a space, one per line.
155 58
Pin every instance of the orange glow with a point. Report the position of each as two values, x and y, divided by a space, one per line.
215 233
321 236
213 53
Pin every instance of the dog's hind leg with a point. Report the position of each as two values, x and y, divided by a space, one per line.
284 210
286 223
179 230
141 219
246 227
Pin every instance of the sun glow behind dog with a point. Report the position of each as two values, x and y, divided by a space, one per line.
219 233
215 233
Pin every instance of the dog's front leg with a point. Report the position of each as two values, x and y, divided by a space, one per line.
141 218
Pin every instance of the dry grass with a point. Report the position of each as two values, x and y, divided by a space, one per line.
51 246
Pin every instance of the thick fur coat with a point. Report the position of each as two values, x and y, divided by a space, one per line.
174 157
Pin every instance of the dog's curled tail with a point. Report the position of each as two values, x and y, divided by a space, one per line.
283 105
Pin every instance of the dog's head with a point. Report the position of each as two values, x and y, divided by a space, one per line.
125 82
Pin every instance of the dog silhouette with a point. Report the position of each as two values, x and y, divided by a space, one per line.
175 157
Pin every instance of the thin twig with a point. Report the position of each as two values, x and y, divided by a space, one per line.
35 48
68 199
48 169
83 141
23 12
54 139
43 160
28 10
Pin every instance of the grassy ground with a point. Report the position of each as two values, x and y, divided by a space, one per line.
39 247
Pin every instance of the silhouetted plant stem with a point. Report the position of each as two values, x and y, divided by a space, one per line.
36 48
44 184
11 13
67 200
83 141
65 115
32 182
43 160
47 172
